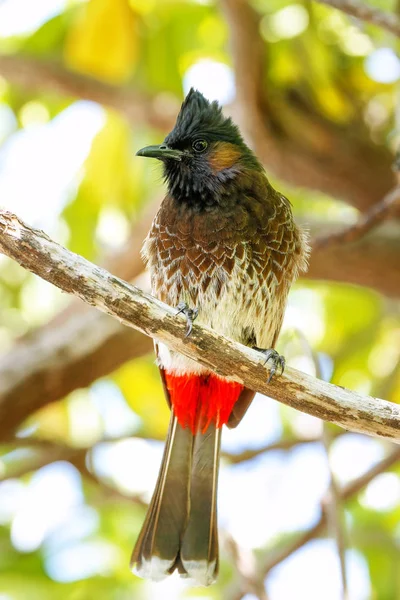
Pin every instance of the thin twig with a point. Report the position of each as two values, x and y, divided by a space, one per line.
36 252
247 581
283 445
369 14
384 209
346 493
332 503
43 452
334 514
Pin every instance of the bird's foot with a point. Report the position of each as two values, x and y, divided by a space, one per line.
275 361
190 314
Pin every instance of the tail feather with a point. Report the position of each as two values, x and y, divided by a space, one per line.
199 549
157 547
180 529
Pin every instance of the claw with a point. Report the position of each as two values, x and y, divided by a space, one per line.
190 314
277 360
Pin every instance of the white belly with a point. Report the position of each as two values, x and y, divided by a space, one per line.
242 305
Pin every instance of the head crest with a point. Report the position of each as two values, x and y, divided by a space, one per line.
199 116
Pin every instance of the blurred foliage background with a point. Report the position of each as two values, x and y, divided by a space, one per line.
83 85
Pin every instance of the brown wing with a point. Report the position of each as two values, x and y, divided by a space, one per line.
279 252
163 380
240 408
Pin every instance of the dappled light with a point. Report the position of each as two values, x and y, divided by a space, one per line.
306 509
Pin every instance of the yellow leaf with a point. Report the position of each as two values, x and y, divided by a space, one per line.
107 167
103 41
51 422
141 386
334 105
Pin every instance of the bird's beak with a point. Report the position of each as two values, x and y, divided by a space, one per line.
161 152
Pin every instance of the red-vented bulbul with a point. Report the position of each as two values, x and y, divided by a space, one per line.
223 248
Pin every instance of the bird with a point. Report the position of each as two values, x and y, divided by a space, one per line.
223 250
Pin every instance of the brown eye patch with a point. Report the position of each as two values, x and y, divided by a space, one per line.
223 156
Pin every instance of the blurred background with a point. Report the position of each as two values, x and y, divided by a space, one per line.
304 509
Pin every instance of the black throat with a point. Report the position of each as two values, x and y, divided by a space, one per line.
201 190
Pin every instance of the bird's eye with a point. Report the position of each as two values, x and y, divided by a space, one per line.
199 145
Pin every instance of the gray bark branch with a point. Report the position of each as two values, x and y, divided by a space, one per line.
35 251
52 361
388 21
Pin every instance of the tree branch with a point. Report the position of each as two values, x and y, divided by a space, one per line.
36 252
45 452
246 581
371 261
330 159
334 514
384 209
388 21
75 348
348 492
46 76
48 366
80 344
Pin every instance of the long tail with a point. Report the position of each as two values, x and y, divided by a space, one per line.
180 529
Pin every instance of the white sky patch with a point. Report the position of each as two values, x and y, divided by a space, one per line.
113 228
39 167
171 588
84 420
383 66
313 573
383 493
131 464
306 426
305 312
34 113
351 455
289 21
23 16
8 122
39 301
117 417
83 560
213 79
54 491
84 522
260 426
279 492
12 494
355 42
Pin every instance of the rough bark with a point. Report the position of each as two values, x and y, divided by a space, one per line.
47 366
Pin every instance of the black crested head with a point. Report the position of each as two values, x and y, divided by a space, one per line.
200 116
204 155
